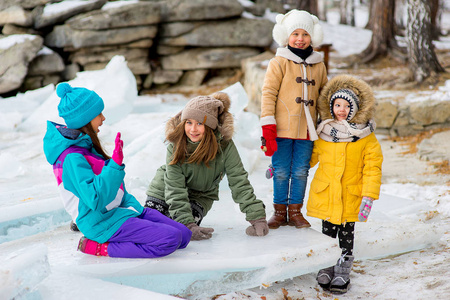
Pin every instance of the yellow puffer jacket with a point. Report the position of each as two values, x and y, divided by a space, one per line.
346 173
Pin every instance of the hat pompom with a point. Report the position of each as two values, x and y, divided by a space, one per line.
317 37
224 98
62 89
280 35
279 18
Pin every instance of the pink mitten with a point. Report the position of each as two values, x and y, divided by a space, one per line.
117 156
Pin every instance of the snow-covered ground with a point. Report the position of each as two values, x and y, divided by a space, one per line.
402 252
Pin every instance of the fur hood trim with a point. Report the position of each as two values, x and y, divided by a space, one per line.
362 90
226 121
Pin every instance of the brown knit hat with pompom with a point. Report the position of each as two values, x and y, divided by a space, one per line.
204 109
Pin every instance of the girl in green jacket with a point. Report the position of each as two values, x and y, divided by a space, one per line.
200 153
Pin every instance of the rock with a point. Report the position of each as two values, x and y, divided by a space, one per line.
166 76
27 4
128 15
59 12
145 43
209 58
70 72
430 111
65 36
252 33
148 81
254 69
256 10
32 83
195 10
10 29
193 78
177 28
16 52
46 62
168 50
85 57
435 148
16 15
139 66
386 112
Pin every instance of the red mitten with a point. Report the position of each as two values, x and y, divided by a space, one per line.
269 134
117 156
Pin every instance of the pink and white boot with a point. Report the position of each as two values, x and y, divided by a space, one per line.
91 247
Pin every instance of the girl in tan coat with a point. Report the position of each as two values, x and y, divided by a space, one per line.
291 87
348 177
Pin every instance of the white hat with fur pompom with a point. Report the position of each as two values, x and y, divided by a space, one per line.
293 20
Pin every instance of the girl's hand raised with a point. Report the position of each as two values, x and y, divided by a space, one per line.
117 156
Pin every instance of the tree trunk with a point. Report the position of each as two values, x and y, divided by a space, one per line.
343 12
369 24
421 56
322 10
351 13
434 16
308 5
383 24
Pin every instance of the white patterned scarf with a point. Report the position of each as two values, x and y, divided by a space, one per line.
331 130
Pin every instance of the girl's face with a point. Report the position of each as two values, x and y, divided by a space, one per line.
97 122
194 130
341 109
300 39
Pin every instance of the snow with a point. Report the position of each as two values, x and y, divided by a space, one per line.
11 40
117 4
51 9
38 252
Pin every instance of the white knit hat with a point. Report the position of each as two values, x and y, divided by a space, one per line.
293 20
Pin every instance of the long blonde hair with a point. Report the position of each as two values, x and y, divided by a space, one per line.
89 130
205 151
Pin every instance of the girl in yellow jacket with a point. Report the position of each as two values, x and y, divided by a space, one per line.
348 177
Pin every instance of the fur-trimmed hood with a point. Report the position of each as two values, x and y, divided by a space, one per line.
359 87
226 121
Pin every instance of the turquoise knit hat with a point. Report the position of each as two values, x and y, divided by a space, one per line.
78 106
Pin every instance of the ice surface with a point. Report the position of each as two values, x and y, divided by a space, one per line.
22 271
31 213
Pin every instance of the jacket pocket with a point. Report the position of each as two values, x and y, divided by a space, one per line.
320 195
353 198
282 115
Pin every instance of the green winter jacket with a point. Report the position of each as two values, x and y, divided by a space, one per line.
178 184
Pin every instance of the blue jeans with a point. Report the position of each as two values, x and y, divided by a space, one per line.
291 169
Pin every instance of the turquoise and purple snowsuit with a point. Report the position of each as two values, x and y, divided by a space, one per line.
94 194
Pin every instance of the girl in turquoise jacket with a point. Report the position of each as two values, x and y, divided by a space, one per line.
201 152
92 186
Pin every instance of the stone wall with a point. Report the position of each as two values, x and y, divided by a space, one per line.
395 114
164 42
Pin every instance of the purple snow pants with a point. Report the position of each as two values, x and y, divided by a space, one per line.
148 236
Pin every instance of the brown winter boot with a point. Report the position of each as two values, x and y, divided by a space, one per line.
279 217
295 216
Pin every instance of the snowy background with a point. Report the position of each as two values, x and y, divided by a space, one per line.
402 252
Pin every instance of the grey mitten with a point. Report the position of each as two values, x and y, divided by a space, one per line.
200 233
365 208
259 228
